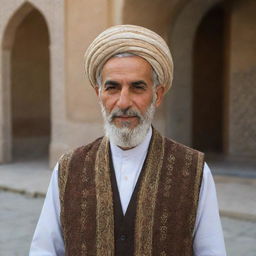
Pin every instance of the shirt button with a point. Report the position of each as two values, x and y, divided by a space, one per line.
126 178
123 237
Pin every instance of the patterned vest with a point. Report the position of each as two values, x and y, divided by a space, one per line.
161 215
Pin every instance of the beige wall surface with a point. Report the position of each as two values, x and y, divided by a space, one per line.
242 88
157 15
84 21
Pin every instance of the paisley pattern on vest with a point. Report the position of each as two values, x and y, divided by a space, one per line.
166 202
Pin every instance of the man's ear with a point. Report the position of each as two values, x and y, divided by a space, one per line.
159 95
97 90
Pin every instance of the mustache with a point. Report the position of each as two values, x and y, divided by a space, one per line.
124 112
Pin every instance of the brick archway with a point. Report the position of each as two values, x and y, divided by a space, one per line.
12 67
182 36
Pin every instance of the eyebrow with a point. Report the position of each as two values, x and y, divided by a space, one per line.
111 82
139 82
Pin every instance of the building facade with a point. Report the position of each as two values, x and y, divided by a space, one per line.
47 106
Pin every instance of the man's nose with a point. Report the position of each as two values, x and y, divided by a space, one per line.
124 100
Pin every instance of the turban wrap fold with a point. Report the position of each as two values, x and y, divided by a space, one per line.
130 39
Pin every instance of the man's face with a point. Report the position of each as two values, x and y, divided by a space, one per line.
127 90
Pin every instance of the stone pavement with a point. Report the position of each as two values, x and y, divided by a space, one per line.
18 218
25 177
240 236
236 188
20 210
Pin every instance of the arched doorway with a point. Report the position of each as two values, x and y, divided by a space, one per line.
26 81
208 82
182 36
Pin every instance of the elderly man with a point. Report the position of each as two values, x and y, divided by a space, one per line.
132 192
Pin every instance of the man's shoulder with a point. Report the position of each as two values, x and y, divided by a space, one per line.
181 147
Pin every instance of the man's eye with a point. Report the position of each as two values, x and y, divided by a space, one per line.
110 87
139 87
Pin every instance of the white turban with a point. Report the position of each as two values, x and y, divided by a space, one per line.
131 39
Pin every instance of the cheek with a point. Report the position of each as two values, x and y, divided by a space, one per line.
108 103
144 104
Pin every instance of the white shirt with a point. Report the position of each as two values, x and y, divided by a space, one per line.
208 236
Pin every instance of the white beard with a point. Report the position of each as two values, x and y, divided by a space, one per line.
126 137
